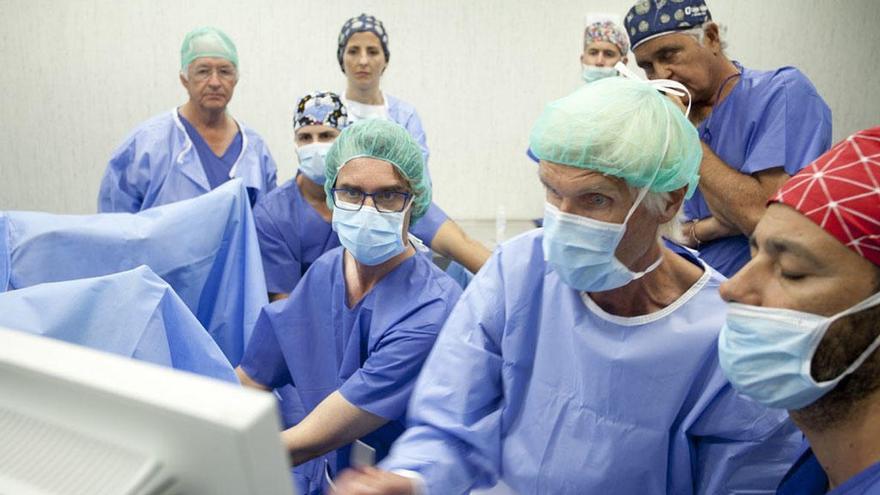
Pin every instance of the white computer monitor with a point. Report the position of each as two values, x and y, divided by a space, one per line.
74 420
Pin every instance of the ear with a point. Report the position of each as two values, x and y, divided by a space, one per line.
183 81
711 37
582 58
676 198
625 60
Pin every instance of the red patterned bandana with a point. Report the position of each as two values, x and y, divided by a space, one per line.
840 192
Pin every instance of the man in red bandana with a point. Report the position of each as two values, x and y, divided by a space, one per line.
804 320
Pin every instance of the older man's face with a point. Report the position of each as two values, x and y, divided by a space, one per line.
210 82
590 194
681 58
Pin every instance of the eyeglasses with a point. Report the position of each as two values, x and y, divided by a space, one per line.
384 201
203 73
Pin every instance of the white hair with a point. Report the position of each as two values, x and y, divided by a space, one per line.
699 33
655 203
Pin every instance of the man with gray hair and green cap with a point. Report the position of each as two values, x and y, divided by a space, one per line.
353 334
583 357
193 148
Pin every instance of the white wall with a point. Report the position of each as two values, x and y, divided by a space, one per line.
77 76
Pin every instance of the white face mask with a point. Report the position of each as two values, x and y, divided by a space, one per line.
592 73
767 353
311 160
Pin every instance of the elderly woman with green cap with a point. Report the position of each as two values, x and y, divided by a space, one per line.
363 55
355 331
193 148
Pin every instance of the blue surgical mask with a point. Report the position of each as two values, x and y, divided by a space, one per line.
311 161
371 236
592 73
581 250
767 353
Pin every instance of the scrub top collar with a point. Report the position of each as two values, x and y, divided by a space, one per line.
634 321
197 174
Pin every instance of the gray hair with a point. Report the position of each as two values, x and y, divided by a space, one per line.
699 33
655 203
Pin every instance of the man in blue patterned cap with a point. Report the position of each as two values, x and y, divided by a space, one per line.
758 128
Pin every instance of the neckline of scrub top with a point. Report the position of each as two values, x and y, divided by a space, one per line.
352 105
373 288
634 321
704 127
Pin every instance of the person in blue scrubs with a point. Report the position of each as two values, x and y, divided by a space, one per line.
757 127
583 357
355 331
192 149
803 323
363 55
293 221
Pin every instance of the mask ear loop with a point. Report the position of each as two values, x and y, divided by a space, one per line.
667 86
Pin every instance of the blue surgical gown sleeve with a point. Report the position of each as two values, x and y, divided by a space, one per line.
282 268
427 226
263 361
383 384
132 313
737 453
121 187
454 419
793 129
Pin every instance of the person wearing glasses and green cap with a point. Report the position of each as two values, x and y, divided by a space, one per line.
193 148
353 334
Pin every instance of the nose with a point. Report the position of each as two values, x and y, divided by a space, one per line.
600 60
214 78
744 286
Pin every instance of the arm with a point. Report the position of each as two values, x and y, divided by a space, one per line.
247 381
452 242
737 199
334 423
280 266
739 446
697 232
119 191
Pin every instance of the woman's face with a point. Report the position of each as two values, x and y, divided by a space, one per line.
363 60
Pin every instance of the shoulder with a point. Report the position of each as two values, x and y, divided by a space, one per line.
522 252
398 107
784 80
155 129
434 281
326 265
279 201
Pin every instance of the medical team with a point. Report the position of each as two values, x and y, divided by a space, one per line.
604 353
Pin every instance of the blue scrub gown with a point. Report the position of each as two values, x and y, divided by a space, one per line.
133 314
292 236
770 119
158 164
371 353
206 248
533 383
806 477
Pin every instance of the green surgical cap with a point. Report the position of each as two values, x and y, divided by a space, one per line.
386 141
207 42
619 127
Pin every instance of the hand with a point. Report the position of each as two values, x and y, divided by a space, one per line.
367 480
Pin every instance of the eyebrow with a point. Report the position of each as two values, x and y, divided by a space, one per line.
781 246
585 190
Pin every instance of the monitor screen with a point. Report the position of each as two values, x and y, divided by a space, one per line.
75 420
